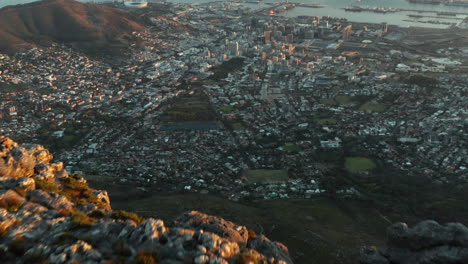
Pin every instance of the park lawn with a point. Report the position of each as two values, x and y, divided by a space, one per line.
358 164
44 91
372 107
227 108
328 101
292 148
266 176
343 99
11 88
237 126
326 121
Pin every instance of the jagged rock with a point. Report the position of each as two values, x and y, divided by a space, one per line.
153 228
427 242
214 224
22 183
43 221
371 255
7 220
58 258
16 163
270 249
50 200
33 207
10 199
43 156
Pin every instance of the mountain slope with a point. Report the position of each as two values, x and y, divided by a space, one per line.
49 216
65 21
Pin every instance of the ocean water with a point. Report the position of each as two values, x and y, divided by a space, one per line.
334 8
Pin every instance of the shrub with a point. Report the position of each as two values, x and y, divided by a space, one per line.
46 185
78 191
124 215
80 220
99 213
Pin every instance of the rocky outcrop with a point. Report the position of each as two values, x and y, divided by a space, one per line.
425 243
49 216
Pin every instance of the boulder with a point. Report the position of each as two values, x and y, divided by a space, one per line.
270 249
10 199
426 242
50 200
217 225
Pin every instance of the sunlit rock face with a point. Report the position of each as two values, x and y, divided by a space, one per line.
49 216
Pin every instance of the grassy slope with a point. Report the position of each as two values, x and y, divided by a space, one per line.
316 231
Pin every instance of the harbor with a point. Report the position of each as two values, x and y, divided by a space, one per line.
394 10
382 11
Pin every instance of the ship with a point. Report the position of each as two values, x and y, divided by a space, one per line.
353 9
383 10
434 2
446 14
457 3
309 5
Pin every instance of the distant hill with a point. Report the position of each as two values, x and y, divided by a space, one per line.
63 21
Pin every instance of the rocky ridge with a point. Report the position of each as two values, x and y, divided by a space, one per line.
426 243
49 216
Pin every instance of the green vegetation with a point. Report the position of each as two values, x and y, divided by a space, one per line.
124 215
190 108
359 164
324 121
44 91
343 99
292 148
327 101
46 185
181 116
237 126
339 100
266 176
150 256
227 108
77 191
325 231
81 220
227 67
99 213
372 107
11 88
